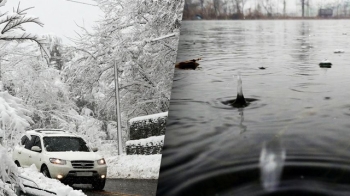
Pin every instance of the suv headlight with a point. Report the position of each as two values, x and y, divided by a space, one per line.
101 161
57 161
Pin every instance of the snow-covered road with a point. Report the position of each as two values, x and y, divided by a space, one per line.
126 187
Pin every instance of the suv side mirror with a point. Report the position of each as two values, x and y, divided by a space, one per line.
94 149
36 149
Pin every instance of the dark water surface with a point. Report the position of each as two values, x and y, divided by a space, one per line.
301 110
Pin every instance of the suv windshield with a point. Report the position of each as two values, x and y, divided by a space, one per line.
59 144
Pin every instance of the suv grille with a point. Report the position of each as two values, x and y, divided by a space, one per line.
83 164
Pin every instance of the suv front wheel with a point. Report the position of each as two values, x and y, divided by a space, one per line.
99 184
45 171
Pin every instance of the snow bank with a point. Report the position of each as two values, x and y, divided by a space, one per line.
151 145
134 166
130 166
153 117
154 140
6 189
48 184
8 173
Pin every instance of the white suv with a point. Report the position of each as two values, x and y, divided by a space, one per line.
61 155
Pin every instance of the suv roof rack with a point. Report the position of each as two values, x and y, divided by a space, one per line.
43 130
49 131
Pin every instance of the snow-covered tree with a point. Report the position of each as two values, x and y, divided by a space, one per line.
13 114
11 26
141 36
27 75
31 72
86 125
13 117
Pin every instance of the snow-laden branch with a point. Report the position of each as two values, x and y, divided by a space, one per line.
147 101
13 115
81 2
163 37
8 17
12 24
3 2
135 83
21 36
83 50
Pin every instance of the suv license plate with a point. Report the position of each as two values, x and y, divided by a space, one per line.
84 173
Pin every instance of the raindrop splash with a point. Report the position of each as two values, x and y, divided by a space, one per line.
240 100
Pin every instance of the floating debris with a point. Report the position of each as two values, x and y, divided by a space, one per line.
190 64
339 51
325 64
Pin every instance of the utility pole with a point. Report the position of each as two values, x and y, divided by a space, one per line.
0 68
117 101
284 8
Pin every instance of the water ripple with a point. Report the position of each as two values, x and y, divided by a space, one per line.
213 149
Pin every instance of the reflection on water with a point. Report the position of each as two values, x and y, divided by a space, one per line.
242 127
212 148
272 158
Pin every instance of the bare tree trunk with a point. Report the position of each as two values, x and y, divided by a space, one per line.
216 4
243 2
234 8
302 7
202 5
268 6
345 10
238 8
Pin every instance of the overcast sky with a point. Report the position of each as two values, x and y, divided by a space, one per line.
59 16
